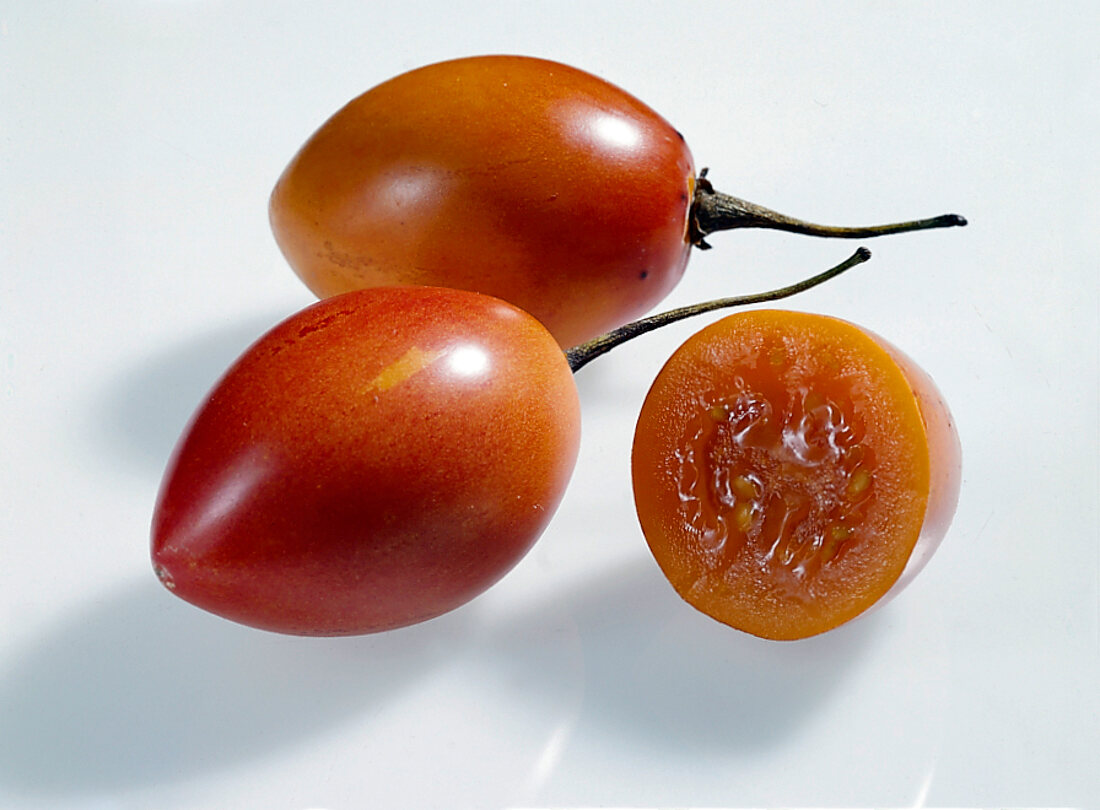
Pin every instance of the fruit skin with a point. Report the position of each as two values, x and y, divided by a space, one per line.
912 436
377 459
513 176
945 464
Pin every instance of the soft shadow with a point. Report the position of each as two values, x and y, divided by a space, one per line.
140 415
655 670
141 688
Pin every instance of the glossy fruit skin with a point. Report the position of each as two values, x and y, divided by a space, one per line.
375 460
900 420
513 176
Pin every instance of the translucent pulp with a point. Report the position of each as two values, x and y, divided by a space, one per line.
788 468
780 476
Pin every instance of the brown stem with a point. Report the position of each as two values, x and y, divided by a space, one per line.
714 211
580 355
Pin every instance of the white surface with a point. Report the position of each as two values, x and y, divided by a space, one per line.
138 144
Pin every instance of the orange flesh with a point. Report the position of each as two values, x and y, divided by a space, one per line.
781 472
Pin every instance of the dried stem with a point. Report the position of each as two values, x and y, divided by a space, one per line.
715 211
580 355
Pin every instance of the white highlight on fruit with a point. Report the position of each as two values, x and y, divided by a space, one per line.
468 361
617 132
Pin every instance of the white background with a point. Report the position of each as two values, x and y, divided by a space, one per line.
138 144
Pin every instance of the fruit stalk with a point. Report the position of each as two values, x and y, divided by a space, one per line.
584 353
714 210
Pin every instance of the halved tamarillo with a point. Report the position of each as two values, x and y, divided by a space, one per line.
376 460
791 470
517 177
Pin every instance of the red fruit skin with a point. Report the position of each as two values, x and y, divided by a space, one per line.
376 460
517 177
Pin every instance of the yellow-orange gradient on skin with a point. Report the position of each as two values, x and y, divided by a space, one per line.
790 470
517 177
